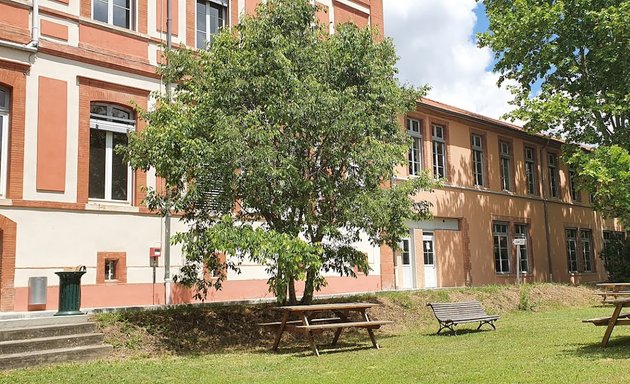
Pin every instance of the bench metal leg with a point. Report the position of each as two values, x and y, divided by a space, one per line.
444 326
490 323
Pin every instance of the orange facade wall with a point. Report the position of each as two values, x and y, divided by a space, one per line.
161 15
120 295
52 128
346 14
121 43
52 29
14 16
466 257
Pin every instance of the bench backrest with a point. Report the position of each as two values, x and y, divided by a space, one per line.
458 310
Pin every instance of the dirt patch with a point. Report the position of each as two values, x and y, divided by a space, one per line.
191 330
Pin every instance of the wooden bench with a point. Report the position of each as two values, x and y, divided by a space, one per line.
614 295
601 321
356 324
451 314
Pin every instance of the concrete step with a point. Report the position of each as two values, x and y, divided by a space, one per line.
55 342
11 334
27 322
52 356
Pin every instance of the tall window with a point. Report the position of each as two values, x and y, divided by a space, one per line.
501 247
530 170
552 165
120 13
415 152
575 194
110 176
478 165
439 152
521 230
586 238
505 159
4 139
211 18
571 235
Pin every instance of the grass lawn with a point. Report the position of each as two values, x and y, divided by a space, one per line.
528 347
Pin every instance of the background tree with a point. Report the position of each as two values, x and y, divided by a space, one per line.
278 147
578 52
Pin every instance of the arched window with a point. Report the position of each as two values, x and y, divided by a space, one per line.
110 175
4 139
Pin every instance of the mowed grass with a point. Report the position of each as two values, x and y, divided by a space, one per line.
528 347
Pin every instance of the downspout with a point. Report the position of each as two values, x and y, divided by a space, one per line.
167 214
35 29
32 46
545 200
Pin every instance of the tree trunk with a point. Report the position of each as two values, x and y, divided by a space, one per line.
309 288
292 295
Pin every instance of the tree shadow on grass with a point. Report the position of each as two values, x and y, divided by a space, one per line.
617 348
197 330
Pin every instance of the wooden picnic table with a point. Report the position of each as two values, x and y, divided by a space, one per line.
611 322
308 318
615 290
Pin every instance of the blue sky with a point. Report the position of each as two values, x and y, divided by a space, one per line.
435 40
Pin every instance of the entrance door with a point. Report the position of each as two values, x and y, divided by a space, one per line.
406 264
430 271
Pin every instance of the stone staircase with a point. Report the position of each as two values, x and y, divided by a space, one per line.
27 342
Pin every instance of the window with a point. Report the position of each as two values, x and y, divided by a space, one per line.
211 18
110 176
552 165
120 13
427 249
572 249
405 255
505 158
575 194
110 269
521 231
530 170
439 152
501 248
586 236
415 152
478 166
4 139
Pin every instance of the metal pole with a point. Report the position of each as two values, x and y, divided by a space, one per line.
167 215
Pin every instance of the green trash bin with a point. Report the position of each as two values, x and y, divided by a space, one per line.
70 292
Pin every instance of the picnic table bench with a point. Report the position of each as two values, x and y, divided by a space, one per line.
451 314
308 321
617 318
614 290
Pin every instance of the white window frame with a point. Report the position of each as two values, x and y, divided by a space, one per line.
586 240
414 128
530 170
496 243
113 125
572 253
479 176
573 191
505 165
437 138
4 157
113 265
226 20
110 14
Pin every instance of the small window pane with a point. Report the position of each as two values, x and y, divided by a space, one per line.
405 252
4 102
122 17
120 113
97 164
119 169
100 10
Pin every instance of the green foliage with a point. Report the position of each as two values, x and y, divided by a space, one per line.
297 130
524 298
606 170
616 257
578 51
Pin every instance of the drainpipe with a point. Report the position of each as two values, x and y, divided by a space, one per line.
35 29
545 200
167 215
32 46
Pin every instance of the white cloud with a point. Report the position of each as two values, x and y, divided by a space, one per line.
436 45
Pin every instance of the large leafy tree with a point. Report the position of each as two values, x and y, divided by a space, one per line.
578 52
279 146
